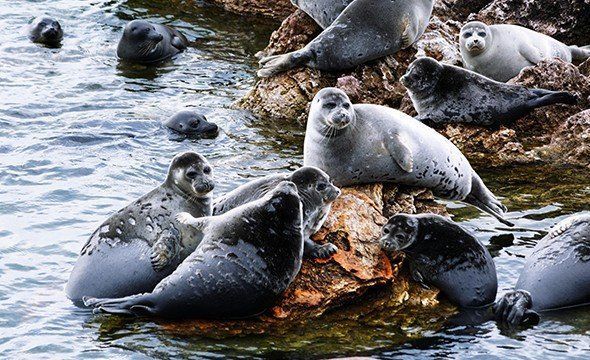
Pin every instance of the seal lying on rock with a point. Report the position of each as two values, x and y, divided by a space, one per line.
47 31
191 123
315 191
324 12
500 52
556 275
442 254
449 94
246 260
148 43
366 30
360 144
142 243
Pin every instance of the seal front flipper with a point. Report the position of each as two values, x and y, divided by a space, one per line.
178 43
514 309
313 250
275 64
164 250
419 278
189 220
530 53
408 35
400 151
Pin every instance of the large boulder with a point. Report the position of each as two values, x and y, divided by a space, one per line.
277 9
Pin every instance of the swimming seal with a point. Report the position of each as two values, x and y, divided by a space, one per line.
366 30
324 12
315 191
46 30
500 52
193 124
556 275
442 254
449 94
146 43
361 144
247 258
142 243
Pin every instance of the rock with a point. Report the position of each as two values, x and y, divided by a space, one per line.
458 9
277 9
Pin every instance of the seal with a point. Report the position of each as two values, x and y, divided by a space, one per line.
449 94
324 12
247 259
366 30
46 30
193 124
315 191
555 276
363 143
146 43
442 254
142 243
500 52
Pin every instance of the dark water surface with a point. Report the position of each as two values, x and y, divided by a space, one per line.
81 136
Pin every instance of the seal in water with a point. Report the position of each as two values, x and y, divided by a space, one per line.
247 259
500 52
147 43
366 30
316 194
449 94
361 144
324 12
191 123
137 247
47 31
555 276
444 255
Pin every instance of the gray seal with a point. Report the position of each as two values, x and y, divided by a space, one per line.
442 254
247 259
46 30
142 243
366 30
555 276
363 143
500 52
315 191
324 12
193 124
146 43
449 94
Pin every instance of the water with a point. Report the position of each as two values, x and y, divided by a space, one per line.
81 136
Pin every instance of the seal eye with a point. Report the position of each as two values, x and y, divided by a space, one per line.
194 123
385 230
346 105
191 174
330 105
467 35
207 170
482 34
321 187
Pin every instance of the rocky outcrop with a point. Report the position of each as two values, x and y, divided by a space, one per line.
277 9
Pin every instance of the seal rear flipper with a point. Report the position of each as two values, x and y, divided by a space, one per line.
312 250
547 97
483 199
275 64
130 305
580 53
514 308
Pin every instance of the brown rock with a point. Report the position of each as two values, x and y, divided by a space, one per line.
458 9
277 9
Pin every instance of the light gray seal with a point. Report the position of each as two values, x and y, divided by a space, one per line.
500 52
324 12
556 275
247 259
46 30
360 144
366 30
449 94
193 124
442 254
315 191
146 43
142 243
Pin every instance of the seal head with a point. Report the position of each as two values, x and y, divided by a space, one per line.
475 37
422 76
193 124
190 174
400 232
334 110
47 31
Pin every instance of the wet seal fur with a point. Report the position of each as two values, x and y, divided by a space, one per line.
442 254
193 124
247 259
315 191
142 243
449 94
363 143
555 276
46 30
146 43
366 30
500 52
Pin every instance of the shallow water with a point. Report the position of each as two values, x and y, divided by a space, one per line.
81 136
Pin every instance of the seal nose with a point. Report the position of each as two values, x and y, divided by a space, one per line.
50 32
340 119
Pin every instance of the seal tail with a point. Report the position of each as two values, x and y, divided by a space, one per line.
580 53
514 308
547 97
275 64
131 305
482 198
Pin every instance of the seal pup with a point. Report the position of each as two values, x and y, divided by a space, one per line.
449 94
363 143
324 12
315 191
247 259
191 123
46 30
556 274
146 43
500 52
366 30
442 254
142 243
